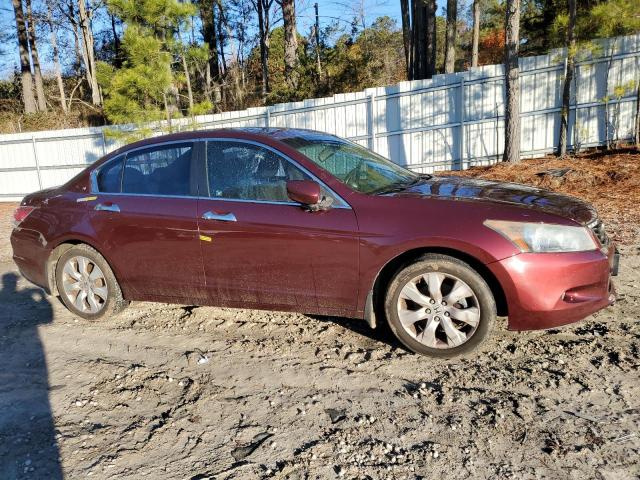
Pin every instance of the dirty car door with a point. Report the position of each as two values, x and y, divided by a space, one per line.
145 217
261 249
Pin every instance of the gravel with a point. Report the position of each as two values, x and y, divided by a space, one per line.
130 397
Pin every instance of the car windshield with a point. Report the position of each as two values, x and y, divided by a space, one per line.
354 165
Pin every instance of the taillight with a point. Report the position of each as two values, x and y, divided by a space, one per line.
21 213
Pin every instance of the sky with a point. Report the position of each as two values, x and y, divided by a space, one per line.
340 12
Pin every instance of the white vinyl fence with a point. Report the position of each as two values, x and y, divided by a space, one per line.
449 122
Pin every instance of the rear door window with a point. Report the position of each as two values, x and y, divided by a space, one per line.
161 170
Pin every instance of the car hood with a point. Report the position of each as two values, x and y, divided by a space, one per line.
472 189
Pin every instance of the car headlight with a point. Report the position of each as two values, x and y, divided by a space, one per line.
544 237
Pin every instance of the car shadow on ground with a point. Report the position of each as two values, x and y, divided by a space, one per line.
382 333
28 446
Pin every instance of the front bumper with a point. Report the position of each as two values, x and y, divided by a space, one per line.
552 289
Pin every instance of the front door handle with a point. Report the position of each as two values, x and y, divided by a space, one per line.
223 217
111 207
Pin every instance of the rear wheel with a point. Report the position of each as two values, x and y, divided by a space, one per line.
439 306
86 284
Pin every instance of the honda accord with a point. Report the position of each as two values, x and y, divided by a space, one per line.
298 220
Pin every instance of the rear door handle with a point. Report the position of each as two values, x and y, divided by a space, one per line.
112 207
223 217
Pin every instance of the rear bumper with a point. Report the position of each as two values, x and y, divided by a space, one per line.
552 289
30 255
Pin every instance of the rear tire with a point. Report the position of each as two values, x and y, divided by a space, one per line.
86 284
439 306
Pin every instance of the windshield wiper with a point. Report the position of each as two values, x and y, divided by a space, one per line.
400 186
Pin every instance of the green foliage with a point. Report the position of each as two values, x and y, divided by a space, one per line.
616 17
599 19
156 15
369 57
136 94
201 108
373 58
280 91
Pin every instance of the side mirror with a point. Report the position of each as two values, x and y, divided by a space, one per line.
306 192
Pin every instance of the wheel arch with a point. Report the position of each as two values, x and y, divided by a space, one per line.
60 248
387 272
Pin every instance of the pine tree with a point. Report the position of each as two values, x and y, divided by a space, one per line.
139 92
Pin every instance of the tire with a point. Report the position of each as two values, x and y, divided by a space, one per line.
70 266
469 307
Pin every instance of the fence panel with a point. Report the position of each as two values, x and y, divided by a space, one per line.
451 121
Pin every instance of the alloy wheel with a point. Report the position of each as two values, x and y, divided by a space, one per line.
85 285
439 310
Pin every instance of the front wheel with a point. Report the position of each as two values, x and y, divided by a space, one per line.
86 284
439 306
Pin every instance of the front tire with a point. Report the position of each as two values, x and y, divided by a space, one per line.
439 306
87 285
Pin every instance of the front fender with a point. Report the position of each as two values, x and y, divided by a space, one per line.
375 259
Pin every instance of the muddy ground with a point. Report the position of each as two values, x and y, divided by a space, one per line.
190 393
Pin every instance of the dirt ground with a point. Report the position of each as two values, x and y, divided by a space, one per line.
196 392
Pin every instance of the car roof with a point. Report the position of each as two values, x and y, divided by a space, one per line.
260 134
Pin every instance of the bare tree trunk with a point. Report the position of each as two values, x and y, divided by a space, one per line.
419 39
264 46
35 58
431 38
56 58
187 80
222 21
70 13
512 74
290 44
88 53
207 14
568 78
406 34
316 33
26 78
476 33
117 61
452 30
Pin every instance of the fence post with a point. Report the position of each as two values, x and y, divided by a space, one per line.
104 144
371 120
497 133
35 157
267 118
461 107
576 109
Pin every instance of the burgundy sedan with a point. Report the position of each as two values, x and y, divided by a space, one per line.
298 220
